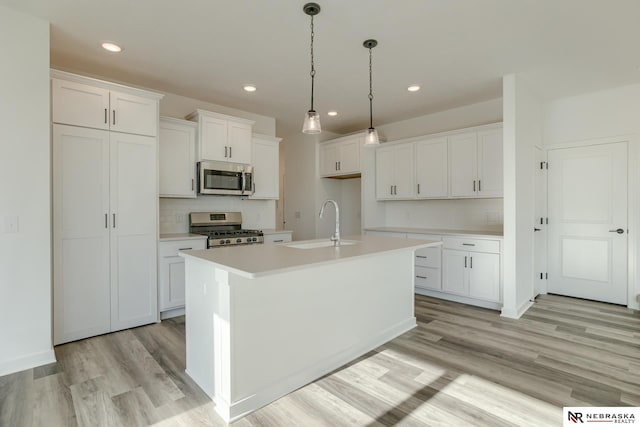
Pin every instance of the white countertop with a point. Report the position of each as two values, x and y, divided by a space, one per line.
274 231
180 236
441 231
254 261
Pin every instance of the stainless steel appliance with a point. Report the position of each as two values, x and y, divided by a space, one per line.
225 178
223 229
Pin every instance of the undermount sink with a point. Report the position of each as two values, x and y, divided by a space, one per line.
320 244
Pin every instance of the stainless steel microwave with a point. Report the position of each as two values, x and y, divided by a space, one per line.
225 178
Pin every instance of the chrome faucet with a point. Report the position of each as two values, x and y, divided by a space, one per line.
336 237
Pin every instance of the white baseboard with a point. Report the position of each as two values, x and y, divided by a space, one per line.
27 362
236 410
516 314
457 298
172 313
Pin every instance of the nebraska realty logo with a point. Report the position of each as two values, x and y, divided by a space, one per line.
603 416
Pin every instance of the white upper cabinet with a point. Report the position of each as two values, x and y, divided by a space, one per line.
265 154
340 157
463 164
177 142
476 164
80 101
222 138
431 168
490 163
394 172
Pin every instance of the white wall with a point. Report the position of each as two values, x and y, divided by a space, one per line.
25 179
590 117
303 192
522 132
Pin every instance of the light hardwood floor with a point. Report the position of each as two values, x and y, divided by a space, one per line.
461 366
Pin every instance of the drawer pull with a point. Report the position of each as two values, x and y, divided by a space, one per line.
421 277
468 244
421 256
278 241
185 249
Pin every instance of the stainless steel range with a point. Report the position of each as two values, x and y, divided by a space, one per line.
223 229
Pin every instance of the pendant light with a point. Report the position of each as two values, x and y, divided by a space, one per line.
372 134
312 118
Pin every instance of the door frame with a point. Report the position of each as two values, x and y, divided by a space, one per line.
633 207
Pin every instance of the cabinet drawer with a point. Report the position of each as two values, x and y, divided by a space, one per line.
428 257
172 247
277 238
476 245
428 278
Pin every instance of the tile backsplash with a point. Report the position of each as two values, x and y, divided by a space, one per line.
174 213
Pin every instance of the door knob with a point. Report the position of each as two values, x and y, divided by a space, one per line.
617 230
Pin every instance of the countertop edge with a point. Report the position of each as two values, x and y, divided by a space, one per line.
168 237
475 233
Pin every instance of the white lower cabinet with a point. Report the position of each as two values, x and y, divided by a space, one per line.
471 273
171 270
104 231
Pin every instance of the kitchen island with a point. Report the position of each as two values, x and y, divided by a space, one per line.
264 320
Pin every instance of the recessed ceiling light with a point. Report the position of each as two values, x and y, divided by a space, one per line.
332 113
111 47
249 88
413 88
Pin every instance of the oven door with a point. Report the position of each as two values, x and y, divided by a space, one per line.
221 178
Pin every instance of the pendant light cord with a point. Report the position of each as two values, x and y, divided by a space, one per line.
313 68
370 92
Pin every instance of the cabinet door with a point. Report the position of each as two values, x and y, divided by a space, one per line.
133 230
79 104
431 168
133 114
490 182
484 276
463 164
455 276
384 173
177 159
329 155
213 139
349 158
80 233
266 172
172 282
239 135
403 172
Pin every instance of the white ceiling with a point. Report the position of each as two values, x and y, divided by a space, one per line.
457 50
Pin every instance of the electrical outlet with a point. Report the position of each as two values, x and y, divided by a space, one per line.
180 218
297 214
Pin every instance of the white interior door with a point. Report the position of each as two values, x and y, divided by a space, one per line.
587 204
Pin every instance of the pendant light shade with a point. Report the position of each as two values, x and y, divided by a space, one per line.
372 137
311 123
372 134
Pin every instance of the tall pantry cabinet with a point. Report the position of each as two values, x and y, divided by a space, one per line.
105 206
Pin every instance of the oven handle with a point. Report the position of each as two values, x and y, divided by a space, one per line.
243 182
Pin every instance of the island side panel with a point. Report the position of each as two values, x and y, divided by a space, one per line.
292 328
207 312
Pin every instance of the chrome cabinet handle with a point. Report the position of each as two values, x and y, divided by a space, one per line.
617 230
114 117
479 186
114 220
471 262
465 261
